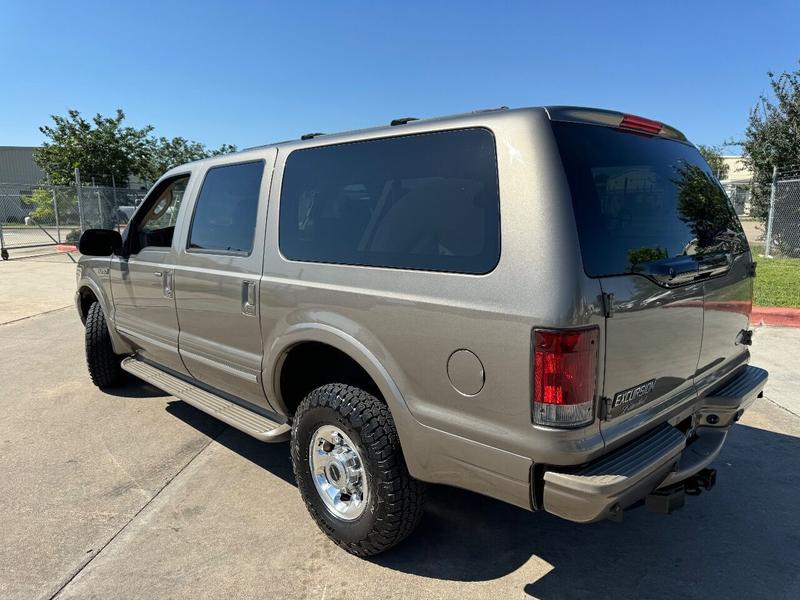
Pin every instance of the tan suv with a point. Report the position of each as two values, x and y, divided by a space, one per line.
549 306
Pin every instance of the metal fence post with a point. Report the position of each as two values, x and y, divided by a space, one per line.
3 251
78 193
55 212
772 191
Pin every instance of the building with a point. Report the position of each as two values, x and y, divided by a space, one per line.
737 183
17 166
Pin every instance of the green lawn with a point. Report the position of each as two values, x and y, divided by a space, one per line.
777 282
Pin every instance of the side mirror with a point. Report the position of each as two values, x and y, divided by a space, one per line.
100 242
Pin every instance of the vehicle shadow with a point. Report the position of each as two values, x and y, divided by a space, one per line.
270 457
742 539
135 388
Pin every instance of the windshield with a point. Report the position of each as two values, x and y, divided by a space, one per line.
639 199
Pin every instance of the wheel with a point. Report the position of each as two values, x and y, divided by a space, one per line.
4 254
351 472
103 364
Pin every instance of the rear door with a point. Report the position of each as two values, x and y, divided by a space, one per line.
217 278
654 228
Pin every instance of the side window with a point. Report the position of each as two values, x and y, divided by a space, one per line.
157 226
225 214
427 202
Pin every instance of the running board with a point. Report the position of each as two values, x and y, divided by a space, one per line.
259 426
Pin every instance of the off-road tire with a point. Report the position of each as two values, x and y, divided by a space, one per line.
396 500
103 364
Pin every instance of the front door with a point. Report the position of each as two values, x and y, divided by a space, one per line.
217 277
142 279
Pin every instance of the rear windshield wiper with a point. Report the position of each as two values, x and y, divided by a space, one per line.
684 269
670 272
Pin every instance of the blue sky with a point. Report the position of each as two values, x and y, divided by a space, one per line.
250 73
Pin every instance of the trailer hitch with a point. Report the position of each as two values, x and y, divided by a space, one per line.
668 500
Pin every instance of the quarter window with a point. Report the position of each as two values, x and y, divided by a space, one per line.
427 202
225 215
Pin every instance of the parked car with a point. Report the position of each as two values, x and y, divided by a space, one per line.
549 306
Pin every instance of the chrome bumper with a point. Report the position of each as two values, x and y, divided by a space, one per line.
659 458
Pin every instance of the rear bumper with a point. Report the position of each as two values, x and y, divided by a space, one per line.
662 457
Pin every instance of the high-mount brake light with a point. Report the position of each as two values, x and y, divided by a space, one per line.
641 124
564 376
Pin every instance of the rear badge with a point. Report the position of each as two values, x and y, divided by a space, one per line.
627 400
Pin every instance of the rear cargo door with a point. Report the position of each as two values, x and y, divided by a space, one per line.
652 223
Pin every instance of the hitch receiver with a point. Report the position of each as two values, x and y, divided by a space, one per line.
668 500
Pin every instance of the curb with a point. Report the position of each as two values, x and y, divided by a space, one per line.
66 248
776 315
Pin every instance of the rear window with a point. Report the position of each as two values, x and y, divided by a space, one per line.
225 214
639 199
427 201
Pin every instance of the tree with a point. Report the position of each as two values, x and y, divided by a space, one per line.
772 137
111 153
163 154
713 156
102 148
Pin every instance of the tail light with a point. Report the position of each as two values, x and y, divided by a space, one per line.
564 376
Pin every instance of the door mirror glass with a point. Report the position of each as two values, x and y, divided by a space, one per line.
100 242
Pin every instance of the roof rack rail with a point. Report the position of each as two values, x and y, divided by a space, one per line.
403 121
310 136
485 110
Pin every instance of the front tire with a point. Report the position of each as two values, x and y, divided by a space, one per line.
104 365
351 472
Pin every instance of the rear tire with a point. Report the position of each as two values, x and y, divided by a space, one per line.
104 365
393 501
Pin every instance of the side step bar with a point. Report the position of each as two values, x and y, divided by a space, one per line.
259 426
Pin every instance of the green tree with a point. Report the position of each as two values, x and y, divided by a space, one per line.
713 156
772 137
101 147
163 154
111 152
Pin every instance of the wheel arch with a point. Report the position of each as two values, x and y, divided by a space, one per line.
319 333
90 291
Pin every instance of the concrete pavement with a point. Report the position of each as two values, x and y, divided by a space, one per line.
137 495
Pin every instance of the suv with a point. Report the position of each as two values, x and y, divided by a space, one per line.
549 306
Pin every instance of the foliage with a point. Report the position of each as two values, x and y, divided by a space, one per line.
42 200
166 153
777 282
713 156
110 152
102 147
638 256
772 137
705 209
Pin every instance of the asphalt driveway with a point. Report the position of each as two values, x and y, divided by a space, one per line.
138 495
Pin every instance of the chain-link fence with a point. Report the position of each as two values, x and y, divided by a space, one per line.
33 216
782 238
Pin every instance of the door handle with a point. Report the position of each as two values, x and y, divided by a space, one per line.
158 273
249 298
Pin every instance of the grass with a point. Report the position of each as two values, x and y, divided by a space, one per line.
777 282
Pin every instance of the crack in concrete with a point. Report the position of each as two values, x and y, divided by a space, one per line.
71 577
47 312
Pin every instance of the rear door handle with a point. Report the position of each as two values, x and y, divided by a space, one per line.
249 298
158 273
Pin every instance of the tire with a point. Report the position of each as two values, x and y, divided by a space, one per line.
394 501
104 365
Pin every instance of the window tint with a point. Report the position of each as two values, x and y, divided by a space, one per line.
640 199
425 201
225 214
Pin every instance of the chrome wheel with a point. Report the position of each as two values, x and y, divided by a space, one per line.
338 473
